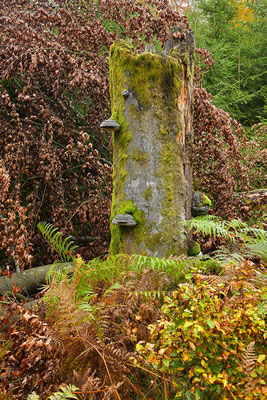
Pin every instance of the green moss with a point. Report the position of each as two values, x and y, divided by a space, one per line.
144 71
122 139
147 193
138 155
194 249
184 57
169 171
205 201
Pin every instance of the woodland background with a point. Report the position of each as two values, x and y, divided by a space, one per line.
55 163
128 327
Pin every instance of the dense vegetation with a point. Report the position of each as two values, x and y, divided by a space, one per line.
127 327
135 327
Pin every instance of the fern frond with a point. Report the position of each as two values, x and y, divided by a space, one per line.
140 262
256 248
249 358
210 226
263 308
151 294
59 271
212 280
65 393
111 289
52 235
236 254
226 256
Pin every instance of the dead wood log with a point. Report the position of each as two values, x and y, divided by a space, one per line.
30 280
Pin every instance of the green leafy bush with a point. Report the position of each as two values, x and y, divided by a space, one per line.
204 342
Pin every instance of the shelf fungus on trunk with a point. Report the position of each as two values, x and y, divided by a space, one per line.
110 125
124 220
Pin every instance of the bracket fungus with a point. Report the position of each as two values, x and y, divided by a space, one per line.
124 220
126 93
110 125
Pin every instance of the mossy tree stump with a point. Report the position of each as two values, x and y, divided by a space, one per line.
151 100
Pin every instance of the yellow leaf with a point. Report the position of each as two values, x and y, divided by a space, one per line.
185 357
211 379
225 378
217 325
261 358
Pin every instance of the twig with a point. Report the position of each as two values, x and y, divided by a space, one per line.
165 387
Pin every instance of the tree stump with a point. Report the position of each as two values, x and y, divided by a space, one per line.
151 102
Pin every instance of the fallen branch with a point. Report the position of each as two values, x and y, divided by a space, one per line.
30 280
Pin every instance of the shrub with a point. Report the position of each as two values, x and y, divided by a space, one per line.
207 340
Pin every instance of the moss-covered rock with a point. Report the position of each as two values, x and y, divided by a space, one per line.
200 204
194 248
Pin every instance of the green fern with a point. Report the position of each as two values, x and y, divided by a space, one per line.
256 248
59 271
209 225
244 241
177 271
225 255
139 263
236 253
52 235
65 393
213 226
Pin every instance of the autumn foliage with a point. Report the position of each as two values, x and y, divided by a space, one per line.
133 327
55 163
204 342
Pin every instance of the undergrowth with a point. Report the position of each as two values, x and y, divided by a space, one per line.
138 327
232 240
209 341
